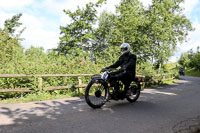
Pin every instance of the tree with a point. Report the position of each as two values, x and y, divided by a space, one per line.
153 33
184 60
128 25
79 33
102 33
167 27
10 47
125 26
190 59
11 24
194 59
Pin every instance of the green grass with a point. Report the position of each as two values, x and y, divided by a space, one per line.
192 72
168 82
40 96
37 97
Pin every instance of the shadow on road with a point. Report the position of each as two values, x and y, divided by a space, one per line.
52 113
74 113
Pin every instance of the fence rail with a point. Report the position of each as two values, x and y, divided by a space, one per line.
145 80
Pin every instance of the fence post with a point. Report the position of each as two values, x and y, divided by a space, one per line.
40 83
80 83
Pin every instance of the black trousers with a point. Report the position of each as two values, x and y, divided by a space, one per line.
125 77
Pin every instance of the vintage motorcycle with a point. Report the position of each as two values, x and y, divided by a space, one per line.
100 90
181 72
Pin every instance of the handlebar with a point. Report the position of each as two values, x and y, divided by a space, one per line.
109 69
112 69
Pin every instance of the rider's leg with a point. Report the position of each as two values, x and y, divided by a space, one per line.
126 78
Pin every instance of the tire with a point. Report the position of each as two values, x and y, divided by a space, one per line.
96 93
135 89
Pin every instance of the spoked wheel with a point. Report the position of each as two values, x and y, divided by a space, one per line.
96 93
135 92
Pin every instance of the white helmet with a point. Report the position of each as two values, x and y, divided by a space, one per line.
125 46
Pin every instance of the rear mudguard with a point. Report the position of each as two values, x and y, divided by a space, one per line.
137 81
139 86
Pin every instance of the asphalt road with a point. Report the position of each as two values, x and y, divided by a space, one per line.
169 109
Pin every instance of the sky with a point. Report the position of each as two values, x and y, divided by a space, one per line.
43 18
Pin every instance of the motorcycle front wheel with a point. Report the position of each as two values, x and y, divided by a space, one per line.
96 93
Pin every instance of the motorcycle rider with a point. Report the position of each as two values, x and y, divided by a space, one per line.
181 70
127 62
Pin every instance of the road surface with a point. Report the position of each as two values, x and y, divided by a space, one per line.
168 109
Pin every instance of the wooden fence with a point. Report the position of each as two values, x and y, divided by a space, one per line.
145 80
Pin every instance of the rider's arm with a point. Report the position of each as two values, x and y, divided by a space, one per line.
116 64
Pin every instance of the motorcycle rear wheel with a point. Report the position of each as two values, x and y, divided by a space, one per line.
135 92
96 93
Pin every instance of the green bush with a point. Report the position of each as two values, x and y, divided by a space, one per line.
36 61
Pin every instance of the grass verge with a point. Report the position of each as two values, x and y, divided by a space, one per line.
40 96
168 82
192 72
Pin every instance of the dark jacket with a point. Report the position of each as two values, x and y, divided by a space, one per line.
127 62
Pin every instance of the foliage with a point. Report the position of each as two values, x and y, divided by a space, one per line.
190 60
12 23
129 25
10 48
152 32
184 60
195 62
79 32
35 61
37 97
167 26
192 72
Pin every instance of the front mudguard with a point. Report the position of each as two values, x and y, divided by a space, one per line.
96 85
99 79
102 81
